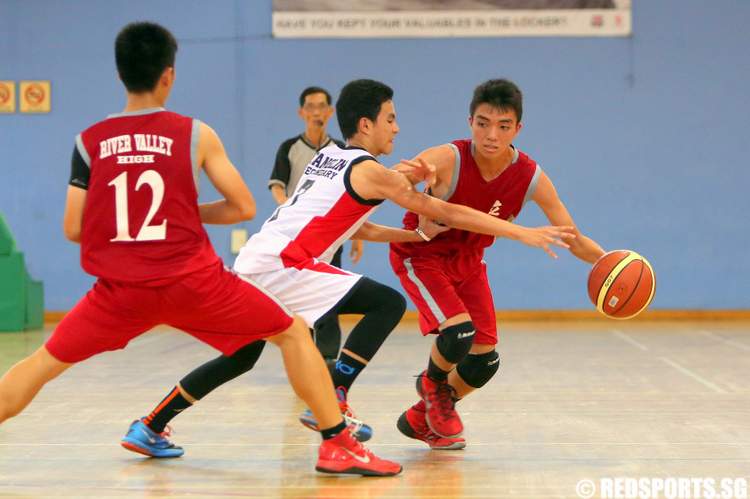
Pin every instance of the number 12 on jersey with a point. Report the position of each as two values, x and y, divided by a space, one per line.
147 232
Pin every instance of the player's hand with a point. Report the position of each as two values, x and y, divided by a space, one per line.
550 235
355 252
418 171
431 228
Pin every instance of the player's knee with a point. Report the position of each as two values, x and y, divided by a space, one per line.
397 302
384 300
298 331
393 305
477 370
245 358
455 341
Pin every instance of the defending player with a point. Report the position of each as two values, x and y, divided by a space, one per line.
132 204
339 190
446 278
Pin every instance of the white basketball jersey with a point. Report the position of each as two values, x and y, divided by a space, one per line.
322 213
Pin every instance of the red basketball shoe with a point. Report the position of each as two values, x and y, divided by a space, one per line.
441 414
344 454
413 424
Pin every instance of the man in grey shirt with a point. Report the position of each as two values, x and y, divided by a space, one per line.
291 159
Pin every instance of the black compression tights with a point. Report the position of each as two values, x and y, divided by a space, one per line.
382 307
214 373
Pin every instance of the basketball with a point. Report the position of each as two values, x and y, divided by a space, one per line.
621 284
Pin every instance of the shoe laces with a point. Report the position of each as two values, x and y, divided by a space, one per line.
352 422
168 432
445 397
356 446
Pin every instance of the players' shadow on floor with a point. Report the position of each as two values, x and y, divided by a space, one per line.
340 487
201 477
431 473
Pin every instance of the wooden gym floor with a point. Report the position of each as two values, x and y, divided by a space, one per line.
573 401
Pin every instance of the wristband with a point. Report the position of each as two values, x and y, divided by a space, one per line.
421 234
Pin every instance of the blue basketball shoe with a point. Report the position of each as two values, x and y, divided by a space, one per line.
359 429
143 440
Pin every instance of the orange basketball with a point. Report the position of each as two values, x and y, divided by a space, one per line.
621 284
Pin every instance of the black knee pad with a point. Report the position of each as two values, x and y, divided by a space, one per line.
477 370
455 341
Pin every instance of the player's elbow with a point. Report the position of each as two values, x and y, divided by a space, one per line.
245 207
247 212
367 232
72 234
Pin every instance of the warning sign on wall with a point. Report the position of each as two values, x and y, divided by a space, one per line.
35 96
7 96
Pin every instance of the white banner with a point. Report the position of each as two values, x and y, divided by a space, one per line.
445 23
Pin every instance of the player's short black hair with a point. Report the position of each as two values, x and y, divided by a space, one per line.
501 94
143 50
313 90
360 99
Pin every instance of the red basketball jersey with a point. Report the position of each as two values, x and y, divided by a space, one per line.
502 197
141 220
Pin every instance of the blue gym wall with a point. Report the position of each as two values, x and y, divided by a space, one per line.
646 138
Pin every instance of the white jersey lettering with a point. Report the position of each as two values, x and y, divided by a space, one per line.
114 145
321 214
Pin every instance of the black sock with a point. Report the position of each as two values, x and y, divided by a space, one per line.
435 373
329 433
171 406
346 371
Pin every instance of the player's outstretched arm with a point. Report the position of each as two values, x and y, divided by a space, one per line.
238 203
384 234
432 170
371 181
73 218
546 197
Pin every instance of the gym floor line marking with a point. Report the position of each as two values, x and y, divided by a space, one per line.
725 340
687 372
627 339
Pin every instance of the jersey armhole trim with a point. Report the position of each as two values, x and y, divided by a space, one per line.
195 136
456 172
274 181
82 150
348 183
532 185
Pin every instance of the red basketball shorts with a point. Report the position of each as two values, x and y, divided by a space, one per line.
442 288
214 305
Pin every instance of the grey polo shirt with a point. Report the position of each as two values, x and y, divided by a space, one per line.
291 159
